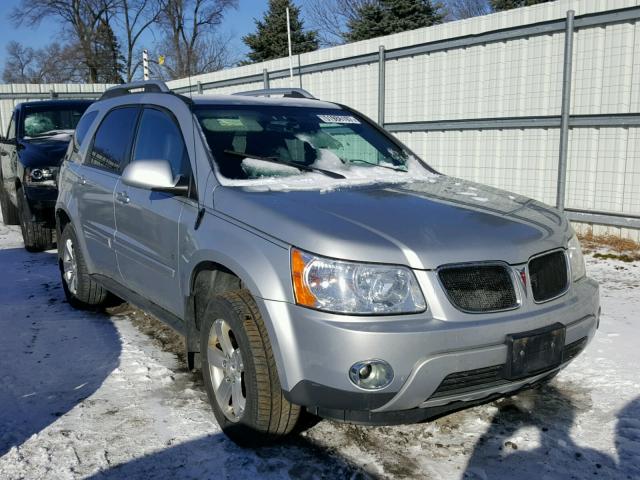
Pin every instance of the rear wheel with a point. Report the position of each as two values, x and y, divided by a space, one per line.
9 211
81 291
240 374
36 235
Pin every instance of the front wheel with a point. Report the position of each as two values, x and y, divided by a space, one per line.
36 235
81 291
240 374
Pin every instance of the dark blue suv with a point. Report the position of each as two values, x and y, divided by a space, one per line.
37 138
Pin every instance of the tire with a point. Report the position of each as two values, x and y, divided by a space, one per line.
84 293
267 416
37 237
9 211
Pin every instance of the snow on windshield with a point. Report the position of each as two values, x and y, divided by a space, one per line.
268 176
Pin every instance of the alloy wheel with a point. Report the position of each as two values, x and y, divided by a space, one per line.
226 367
70 267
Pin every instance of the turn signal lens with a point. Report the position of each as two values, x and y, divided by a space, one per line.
302 292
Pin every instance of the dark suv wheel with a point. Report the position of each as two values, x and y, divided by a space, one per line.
239 372
81 291
36 235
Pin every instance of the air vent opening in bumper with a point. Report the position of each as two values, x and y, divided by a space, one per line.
469 381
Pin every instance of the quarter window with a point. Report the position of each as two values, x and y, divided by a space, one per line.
159 138
83 127
113 139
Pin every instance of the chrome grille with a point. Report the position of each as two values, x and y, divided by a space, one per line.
479 288
548 274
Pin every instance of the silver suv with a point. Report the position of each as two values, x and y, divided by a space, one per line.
312 260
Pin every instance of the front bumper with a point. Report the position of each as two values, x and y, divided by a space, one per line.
314 351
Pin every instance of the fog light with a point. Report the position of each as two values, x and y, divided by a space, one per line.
371 374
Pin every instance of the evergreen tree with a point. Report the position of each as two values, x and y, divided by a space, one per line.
270 39
107 57
384 17
509 4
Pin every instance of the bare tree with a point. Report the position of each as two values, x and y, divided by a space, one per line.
136 16
461 9
52 64
330 18
188 28
86 20
209 54
19 65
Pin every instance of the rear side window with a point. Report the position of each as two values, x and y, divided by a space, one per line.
83 127
112 142
159 138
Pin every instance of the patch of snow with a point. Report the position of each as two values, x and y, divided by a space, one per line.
87 395
289 178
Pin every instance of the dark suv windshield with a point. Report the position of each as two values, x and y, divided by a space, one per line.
330 139
48 121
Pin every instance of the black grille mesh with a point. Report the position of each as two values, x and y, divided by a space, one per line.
479 288
471 380
548 275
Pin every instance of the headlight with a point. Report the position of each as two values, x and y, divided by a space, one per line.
41 176
346 287
576 260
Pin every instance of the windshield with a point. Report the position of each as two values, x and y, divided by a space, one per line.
45 122
297 141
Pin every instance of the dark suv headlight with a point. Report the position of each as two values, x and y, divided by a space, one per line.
41 176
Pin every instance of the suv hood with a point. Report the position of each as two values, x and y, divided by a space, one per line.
422 225
45 152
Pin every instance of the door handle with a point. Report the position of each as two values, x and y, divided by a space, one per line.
122 197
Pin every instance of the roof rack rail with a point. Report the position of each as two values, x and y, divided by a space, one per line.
285 92
146 86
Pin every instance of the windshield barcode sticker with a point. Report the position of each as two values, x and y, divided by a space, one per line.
338 119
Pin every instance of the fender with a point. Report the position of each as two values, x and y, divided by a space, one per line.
262 265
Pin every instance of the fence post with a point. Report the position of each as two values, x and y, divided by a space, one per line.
265 78
381 86
53 93
200 87
145 64
565 112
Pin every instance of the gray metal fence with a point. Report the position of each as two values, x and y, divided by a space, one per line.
564 122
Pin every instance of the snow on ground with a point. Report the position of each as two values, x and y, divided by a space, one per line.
90 395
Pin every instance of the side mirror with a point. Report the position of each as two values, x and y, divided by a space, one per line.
153 175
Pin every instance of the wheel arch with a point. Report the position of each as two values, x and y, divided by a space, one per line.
211 277
62 220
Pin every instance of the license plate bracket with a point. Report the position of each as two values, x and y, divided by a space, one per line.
534 352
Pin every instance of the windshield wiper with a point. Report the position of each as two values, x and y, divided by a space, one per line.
304 168
378 165
50 133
